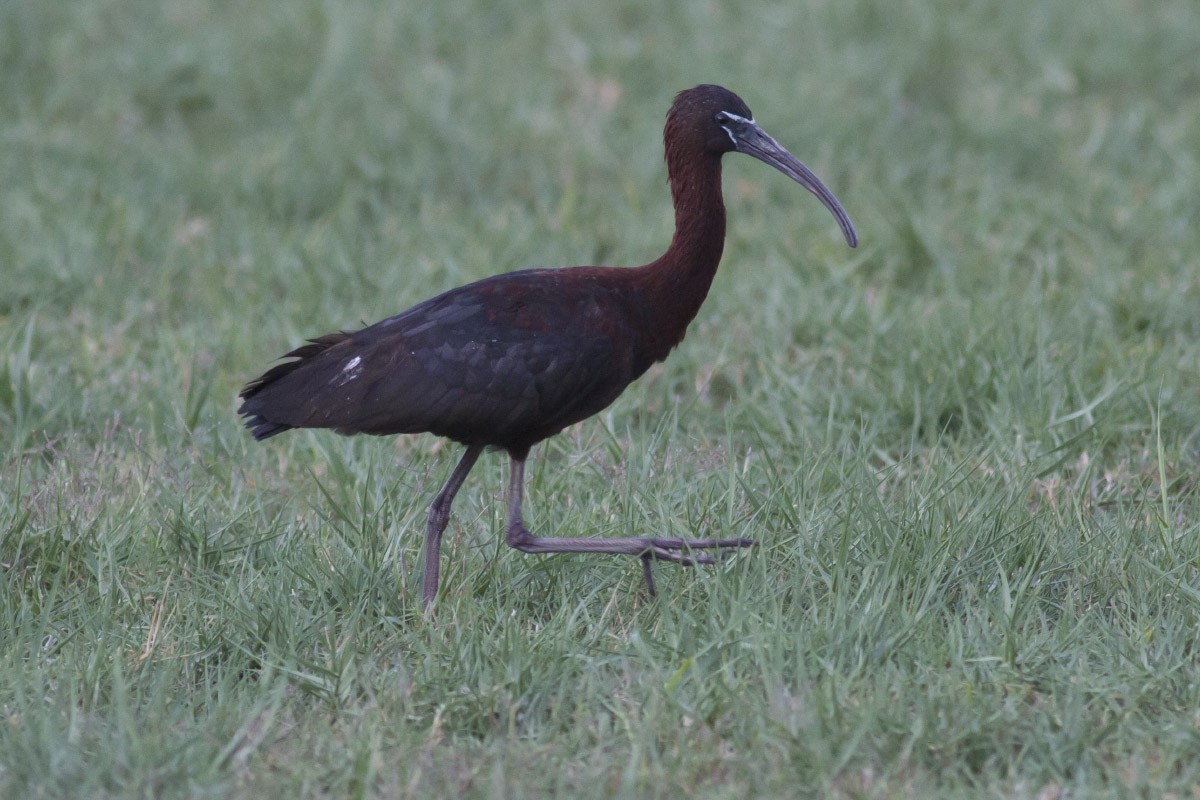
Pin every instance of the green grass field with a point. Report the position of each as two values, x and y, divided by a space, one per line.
968 449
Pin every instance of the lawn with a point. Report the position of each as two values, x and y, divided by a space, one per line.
968 449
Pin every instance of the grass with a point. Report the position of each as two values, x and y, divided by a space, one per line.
968 449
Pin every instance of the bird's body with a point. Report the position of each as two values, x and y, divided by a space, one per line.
513 359
507 361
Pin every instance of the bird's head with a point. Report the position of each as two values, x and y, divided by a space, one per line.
720 122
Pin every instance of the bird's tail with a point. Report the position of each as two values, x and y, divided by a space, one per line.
261 428
256 407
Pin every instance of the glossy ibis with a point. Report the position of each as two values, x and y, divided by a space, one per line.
513 359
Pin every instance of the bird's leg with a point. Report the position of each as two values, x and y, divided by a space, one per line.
648 548
439 515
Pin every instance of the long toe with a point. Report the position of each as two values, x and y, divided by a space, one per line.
648 574
680 556
733 544
700 544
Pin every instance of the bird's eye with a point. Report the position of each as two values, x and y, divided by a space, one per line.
723 117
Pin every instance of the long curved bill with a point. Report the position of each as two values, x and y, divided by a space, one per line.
754 141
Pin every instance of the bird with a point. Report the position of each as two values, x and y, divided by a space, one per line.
510 360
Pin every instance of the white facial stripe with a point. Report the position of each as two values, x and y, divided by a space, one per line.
735 118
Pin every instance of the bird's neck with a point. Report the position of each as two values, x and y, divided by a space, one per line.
678 281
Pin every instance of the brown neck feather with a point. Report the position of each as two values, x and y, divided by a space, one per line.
678 281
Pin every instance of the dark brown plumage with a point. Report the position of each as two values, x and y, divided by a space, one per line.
513 359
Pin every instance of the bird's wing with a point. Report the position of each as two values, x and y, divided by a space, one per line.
504 362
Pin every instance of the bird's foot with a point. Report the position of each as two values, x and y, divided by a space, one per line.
685 552
680 552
